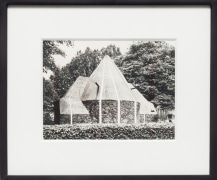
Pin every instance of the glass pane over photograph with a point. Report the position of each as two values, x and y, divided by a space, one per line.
108 89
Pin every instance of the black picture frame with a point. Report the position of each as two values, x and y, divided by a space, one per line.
213 88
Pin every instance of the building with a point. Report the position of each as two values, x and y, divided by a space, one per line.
104 97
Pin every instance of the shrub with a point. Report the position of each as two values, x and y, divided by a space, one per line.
47 119
145 131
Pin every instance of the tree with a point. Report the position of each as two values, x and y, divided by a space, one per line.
49 93
81 65
150 67
111 50
51 48
49 96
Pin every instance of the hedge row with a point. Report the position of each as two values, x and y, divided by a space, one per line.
150 131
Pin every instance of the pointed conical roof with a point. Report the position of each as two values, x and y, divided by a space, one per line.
111 84
146 107
77 88
70 102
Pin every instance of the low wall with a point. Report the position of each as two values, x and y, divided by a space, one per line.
141 118
151 118
76 118
65 118
81 118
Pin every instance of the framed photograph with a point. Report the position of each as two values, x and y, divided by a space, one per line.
108 90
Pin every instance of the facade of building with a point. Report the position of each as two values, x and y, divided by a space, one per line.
104 97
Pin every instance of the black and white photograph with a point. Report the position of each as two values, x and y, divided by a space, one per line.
108 89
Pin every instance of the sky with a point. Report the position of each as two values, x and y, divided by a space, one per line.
81 45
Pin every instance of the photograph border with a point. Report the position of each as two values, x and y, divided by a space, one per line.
3 82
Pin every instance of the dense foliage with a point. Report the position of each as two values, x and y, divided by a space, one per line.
150 67
49 96
49 93
81 65
51 48
111 51
151 131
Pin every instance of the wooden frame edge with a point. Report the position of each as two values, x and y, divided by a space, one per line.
3 85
